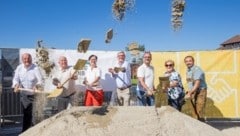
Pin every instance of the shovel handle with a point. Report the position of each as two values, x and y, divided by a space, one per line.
23 89
68 78
27 89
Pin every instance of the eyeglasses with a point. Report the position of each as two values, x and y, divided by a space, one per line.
168 65
147 56
121 55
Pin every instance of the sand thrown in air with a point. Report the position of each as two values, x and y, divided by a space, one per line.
121 121
39 103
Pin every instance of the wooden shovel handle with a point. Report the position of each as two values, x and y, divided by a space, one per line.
68 78
27 89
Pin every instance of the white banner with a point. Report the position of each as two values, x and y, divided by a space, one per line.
106 60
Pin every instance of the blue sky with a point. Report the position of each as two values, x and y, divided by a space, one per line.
62 23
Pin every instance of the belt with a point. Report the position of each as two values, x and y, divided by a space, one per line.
123 88
200 89
69 95
190 80
203 88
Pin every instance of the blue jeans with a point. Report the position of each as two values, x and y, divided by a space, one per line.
144 99
177 103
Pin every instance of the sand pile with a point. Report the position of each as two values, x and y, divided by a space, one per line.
235 131
121 121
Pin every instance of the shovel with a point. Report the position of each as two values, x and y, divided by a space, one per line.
38 89
160 95
78 66
28 90
83 45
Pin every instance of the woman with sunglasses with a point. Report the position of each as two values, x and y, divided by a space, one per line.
175 91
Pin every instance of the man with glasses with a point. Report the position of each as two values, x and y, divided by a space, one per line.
197 87
145 87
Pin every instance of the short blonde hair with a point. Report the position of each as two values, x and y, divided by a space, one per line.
171 61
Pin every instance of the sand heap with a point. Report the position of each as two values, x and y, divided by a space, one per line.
121 121
235 131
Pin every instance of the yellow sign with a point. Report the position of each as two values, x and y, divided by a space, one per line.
222 71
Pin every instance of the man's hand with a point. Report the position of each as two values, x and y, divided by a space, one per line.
123 69
74 77
16 88
111 70
59 85
154 91
55 81
189 94
38 87
149 92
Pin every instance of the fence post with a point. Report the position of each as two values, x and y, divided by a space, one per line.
0 105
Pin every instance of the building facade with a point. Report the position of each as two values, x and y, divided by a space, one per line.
232 43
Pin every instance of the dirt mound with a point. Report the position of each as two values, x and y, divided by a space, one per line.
121 121
235 131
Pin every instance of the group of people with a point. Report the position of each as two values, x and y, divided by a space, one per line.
195 77
197 87
27 77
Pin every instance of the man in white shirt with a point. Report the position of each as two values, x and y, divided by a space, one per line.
145 87
27 76
122 74
62 74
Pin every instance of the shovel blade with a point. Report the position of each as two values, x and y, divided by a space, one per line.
80 64
83 45
55 93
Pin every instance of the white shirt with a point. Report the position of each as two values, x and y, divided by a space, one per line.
91 75
147 72
27 77
123 79
62 75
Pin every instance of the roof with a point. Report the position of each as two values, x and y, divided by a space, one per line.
234 39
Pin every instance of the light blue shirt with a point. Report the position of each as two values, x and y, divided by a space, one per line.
196 73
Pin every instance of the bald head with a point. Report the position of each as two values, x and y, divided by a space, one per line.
62 61
27 59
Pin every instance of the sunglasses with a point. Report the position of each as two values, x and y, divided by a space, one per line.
168 65
147 56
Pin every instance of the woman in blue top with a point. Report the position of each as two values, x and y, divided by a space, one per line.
175 91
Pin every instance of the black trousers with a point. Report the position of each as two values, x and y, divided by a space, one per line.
27 117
